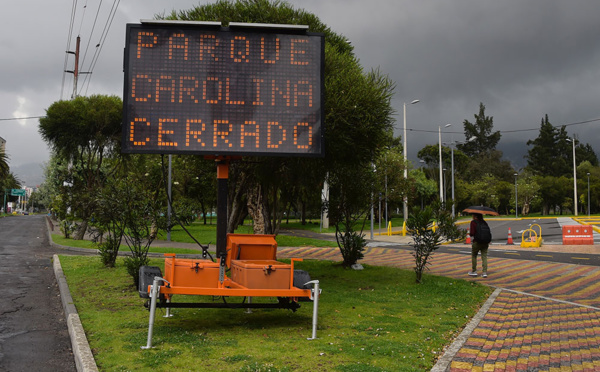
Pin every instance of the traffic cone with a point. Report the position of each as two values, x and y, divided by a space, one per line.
468 241
510 239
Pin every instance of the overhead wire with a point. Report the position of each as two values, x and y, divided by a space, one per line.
71 23
508 131
100 45
91 33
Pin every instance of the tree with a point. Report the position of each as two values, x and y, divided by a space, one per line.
358 114
10 181
485 140
585 153
83 132
549 153
424 189
4 168
527 192
427 239
390 181
348 205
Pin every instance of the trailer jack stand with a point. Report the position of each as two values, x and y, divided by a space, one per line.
154 292
315 297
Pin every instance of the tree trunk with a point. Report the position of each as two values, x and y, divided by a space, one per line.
81 229
256 210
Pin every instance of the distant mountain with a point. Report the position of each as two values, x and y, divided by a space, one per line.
31 174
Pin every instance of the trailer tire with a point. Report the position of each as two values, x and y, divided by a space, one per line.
147 274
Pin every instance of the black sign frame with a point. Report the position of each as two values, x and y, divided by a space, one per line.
195 88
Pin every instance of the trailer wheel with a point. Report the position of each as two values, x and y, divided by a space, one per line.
147 274
302 277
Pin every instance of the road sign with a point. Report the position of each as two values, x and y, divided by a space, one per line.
18 192
236 90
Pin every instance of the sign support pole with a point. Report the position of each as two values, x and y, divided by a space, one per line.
222 193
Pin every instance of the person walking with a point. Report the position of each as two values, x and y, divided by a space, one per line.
481 236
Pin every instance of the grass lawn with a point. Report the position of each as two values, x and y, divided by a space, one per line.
60 239
377 319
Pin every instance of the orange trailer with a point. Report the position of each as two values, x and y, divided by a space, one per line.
253 272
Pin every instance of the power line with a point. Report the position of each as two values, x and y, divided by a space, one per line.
100 45
23 118
510 131
91 32
72 22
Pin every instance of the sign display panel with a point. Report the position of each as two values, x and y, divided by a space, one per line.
222 91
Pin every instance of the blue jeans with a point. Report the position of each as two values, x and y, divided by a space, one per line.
475 249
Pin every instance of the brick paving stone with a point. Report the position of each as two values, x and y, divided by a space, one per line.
528 327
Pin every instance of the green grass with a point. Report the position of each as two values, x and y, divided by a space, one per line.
377 319
208 234
60 239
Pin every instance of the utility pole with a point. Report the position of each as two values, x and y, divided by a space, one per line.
75 71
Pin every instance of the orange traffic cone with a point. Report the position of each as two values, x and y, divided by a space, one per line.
468 241
510 239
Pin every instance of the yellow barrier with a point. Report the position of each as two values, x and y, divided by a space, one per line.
532 241
389 230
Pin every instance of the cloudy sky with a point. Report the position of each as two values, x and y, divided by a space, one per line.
522 59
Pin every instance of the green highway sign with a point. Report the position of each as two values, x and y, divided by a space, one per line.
18 192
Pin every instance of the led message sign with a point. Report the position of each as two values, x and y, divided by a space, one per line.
222 91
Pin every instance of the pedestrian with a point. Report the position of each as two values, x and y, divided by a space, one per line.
481 237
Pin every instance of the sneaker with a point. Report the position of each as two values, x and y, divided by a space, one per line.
472 273
484 274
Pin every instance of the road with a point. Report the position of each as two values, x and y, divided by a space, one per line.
33 330
551 229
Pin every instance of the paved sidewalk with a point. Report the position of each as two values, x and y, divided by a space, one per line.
546 316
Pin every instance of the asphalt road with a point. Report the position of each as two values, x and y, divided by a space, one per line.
33 329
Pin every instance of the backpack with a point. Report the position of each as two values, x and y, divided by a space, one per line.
483 234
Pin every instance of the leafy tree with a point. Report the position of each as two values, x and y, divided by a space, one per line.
8 182
357 112
424 189
4 168
348 207
426 239
390 179
194 181
485 140
139 198
83 132
549 153
585 153
489 163
4 172
527 192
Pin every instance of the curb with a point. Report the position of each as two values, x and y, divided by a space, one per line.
443 364
84 359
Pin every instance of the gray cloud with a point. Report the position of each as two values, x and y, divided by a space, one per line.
522 59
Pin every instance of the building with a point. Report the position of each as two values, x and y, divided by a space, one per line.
2 145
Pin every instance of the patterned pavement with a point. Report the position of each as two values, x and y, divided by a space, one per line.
545 317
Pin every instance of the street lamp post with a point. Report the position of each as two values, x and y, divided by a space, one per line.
516 198
588 199
574 176
441 175
444 173
452 145
405 198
